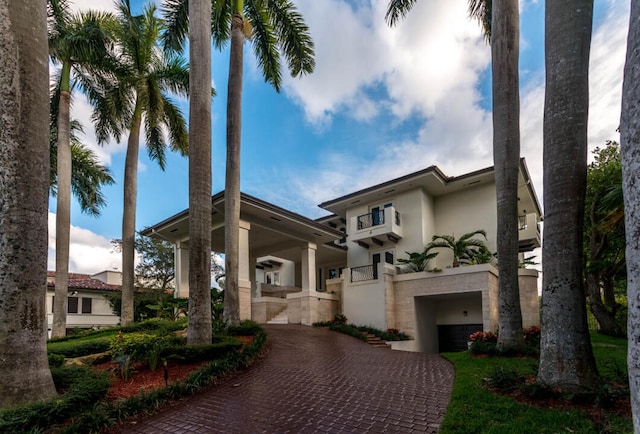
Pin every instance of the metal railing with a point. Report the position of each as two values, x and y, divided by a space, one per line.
522 222
373 218
365 272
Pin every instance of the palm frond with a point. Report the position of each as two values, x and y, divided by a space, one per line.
265 42
221 13
177 126
176 28
397 9
87 178
173 75
481 10
293 37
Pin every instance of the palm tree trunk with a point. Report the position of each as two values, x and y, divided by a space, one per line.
129 217
63 207
630 154
505 35
24 182
232 181
566 356
199 330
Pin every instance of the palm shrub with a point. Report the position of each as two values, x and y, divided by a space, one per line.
416 261
466 249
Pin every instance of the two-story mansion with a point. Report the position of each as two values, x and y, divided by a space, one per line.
298 270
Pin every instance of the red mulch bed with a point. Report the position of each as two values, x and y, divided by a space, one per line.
144 379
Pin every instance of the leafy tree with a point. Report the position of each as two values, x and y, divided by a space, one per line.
500 22
155 268
604 241
276 29
24 179
79 43
630 154
466 249
139 92
566 356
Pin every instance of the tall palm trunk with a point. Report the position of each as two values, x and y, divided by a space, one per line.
63 206
129 217
630 154
232 180
24 182
566 356
199 331
505 35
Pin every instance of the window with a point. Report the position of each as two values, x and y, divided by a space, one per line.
72 304
53 300
276 278
86 305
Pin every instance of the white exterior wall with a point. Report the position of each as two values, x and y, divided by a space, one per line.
356 255
463 212
364 302
416 215
101 314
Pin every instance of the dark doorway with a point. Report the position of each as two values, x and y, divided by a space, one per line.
455 337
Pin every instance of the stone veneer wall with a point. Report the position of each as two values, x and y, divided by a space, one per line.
265 308
308 307
529 299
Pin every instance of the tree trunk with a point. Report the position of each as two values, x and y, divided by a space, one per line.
24 185
566 357
63 207
232 180
199 330
505 35
129 217
630 154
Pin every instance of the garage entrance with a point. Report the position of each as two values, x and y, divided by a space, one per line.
455 337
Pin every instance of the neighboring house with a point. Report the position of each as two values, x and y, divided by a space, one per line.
87 306
302 271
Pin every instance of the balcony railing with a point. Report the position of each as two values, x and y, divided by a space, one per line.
363 273
375 218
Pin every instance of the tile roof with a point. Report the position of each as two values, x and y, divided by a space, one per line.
84 281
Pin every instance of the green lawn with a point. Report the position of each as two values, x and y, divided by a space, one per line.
474 409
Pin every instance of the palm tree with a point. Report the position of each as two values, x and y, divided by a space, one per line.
144 76
629 139
78 43
500 22
199 330
465 249
24 178
276 29
88 175
566 356
417 261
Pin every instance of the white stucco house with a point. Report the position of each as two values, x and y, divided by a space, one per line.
87 306
300 270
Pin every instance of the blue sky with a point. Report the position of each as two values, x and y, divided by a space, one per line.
381 103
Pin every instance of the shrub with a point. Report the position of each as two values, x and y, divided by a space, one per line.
339 319
201 353
348 329
245 328
55 360
504 379
79 347
388 335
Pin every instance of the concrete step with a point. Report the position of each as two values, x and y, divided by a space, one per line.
375 341
281 318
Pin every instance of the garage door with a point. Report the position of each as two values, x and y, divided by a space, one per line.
455 337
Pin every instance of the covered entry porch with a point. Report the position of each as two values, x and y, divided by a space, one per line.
266 230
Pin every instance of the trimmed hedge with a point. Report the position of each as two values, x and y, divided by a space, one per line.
201 353
79 347
82 388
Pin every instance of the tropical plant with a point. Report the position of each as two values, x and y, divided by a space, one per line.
629 139
604 238
466 249
416 261
24 181
500 23
566 355
138 92
79 43
276 29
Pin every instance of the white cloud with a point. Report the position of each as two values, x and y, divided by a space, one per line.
89 253
430 65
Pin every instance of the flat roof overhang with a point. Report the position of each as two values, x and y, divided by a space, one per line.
274 230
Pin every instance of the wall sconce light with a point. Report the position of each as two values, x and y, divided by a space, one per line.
73 293
465 313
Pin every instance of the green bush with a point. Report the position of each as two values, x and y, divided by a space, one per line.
79 347
201 353
156 325
387 335
245 328
348 329
55 360
80 389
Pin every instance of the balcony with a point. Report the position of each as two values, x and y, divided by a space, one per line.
528 232
379 227
364 273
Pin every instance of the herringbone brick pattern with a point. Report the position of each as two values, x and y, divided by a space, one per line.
314 380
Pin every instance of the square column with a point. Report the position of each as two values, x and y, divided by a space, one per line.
181 264
244 271
308 270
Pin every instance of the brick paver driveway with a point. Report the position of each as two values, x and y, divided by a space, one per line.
315 380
